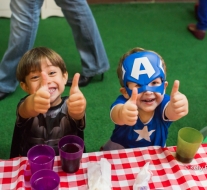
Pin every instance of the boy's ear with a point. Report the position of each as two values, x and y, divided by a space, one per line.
65 77
124 92
24 87
165 86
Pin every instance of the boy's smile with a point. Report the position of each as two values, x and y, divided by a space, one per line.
51 90
148 101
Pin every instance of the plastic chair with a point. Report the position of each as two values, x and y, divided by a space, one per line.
204 133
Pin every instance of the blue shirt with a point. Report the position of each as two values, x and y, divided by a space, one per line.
153 133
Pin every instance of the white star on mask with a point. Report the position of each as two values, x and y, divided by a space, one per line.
144 134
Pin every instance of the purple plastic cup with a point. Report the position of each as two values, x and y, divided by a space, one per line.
71 149
45 180
41 157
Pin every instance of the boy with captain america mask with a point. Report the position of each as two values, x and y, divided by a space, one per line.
143 113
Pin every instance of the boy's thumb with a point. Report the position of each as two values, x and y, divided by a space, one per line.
74 86
175 87
133 97
43 79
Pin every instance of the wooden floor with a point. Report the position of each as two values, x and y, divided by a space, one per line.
137 1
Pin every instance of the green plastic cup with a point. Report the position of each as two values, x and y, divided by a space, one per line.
188 143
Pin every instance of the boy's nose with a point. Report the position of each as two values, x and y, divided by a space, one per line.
148 92
49 80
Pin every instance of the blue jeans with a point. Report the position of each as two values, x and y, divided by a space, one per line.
23 30
202 15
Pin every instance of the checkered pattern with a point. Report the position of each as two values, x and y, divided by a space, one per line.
125 164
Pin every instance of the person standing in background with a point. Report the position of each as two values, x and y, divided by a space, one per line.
23 30
199 29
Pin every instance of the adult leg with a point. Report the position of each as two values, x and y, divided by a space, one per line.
202 15
86 35
23 28
199 29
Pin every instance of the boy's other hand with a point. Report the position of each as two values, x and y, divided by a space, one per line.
76 101
42 96
129 111
178 101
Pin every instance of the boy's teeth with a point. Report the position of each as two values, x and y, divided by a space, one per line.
149 100
51 90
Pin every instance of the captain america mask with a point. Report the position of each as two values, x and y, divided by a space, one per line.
142 68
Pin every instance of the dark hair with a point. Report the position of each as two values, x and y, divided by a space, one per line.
31 61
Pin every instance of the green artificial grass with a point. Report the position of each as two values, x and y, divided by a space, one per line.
159 27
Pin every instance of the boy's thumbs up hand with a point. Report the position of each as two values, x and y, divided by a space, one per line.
76 101
42 95
178 101
129 111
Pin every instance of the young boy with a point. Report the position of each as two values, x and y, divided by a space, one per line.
43 116
143 113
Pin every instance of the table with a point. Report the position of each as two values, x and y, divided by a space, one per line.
125 164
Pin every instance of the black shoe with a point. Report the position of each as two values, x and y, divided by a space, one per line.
3 95
83 81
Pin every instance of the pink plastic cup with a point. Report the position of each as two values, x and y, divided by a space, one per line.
41 157
45 180
71 149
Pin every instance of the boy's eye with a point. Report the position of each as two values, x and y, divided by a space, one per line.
52 73
137 85
34 77
155 83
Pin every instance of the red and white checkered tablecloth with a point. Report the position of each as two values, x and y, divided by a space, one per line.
125 164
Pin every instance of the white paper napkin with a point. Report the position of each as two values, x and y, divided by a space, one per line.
142 179
99 175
